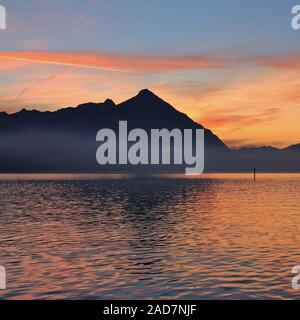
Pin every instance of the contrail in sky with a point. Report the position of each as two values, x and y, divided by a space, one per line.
45 79
65 64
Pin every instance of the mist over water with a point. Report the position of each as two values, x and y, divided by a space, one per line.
134 237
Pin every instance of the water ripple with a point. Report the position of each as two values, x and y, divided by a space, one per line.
119 237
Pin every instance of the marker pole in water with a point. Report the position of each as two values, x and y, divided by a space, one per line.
254 174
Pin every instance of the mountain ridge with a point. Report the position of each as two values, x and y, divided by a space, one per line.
144 93
64 140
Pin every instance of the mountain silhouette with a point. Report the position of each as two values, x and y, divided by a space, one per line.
293 148
270 159
65 140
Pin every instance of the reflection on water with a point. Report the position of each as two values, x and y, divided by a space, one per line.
126 237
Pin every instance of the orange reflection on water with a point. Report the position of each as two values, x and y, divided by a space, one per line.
214 236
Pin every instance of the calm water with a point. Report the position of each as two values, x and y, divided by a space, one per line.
119 237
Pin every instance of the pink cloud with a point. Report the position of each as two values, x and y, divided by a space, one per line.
118 62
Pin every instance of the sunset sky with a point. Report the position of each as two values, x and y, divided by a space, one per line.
233 66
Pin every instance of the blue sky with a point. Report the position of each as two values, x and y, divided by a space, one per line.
151 26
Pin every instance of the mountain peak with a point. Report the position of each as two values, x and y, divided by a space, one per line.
146 100
110 102
146 93
23 111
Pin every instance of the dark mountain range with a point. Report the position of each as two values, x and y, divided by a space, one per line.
293 148
270 159
65 140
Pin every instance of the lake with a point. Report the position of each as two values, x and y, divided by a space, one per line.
215 236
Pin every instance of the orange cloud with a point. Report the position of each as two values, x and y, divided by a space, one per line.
283 61
222 118
6 65
259 107
115 62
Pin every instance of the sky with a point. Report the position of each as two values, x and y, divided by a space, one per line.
233 66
